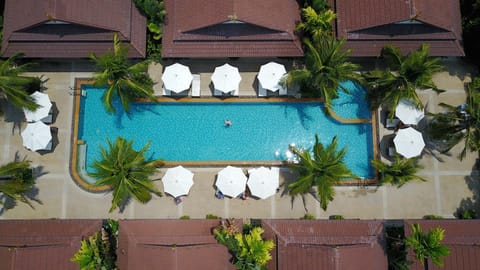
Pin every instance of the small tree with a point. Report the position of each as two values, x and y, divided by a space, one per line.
18 181
126 171
399 172
427 245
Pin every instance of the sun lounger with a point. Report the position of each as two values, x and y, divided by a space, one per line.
196 85
282 91
391 123
262 92
166 92
217 93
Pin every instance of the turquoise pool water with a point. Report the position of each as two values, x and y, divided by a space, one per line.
184 131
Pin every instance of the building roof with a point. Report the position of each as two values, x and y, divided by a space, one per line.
231 28
461 236
42 244
71 29
171 244
369 25
326 244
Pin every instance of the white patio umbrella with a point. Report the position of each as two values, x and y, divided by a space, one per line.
408 113
177 78
43 100
270 74
231 181
409 142
177 181
226 78
262 182
36 136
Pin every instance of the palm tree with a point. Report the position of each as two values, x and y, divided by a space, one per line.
322 171
427 245
449 128
15 87
325 67
399 172
125 81
17 180
403 76
316 23
126 171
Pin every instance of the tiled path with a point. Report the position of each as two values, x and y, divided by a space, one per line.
450 182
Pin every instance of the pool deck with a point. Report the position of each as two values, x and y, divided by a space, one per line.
450 184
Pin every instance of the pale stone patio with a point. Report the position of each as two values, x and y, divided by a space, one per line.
449 182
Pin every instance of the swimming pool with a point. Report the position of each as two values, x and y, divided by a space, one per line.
195 131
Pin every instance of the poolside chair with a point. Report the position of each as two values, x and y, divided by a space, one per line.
166 92
391 123
217 93
262 92
196 85
282 91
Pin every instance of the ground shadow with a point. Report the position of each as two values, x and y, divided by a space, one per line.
285 192
55 142
472 203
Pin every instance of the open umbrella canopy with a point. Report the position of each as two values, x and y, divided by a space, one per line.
262 182
408 113
36 136
409 142
177 181
226 78
270 74
43 100
177 78
231 181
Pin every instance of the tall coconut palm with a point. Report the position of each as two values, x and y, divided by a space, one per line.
450 127
428 245
124 80
126 171
404 75
17 181
13 86
399 172
322 171
326 66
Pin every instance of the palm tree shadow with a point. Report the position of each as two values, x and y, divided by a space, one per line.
472 203
284 185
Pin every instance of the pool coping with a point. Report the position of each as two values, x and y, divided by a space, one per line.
78 147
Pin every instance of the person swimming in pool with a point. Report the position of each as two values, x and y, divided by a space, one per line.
228 122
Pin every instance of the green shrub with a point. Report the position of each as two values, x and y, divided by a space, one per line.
432 217
212 216
185 217
467 214
308 216
335 217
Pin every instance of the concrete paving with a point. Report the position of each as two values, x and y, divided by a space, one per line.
450 184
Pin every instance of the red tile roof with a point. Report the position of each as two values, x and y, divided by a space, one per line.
369 25
461 236
326 244
42 244
170 244
81 27
231 28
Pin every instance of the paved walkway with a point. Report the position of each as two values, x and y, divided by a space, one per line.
450 182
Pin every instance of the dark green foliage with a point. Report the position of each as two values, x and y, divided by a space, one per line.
396 249
471 28
336 217
126 171
428 245
308 216
317 5
404 75
15 87
155 12
467 214
185 217
399 172
322 171
17 181
211 216
435 217
99 250
450 127
125 81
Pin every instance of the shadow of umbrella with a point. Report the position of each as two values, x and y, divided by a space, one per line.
55 142
385 143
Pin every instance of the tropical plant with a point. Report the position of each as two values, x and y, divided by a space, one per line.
317 5
155 12
450 127
399 172
99 250
250 250
404 75
18 181
125 81
325 67
427 245
13 86
322 171
316 24
126 171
